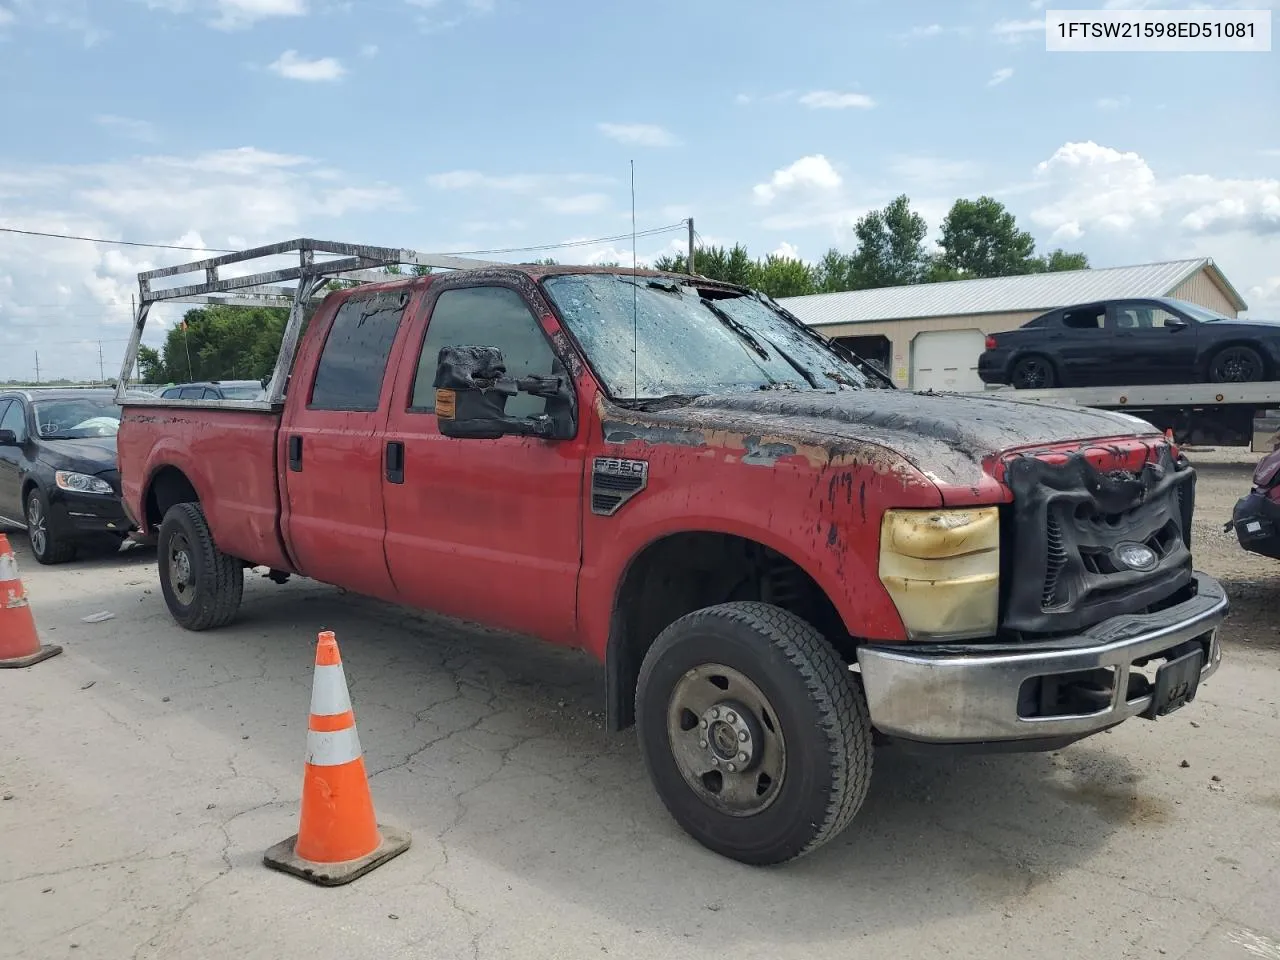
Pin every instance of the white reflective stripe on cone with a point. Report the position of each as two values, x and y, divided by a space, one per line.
8 567
332 749
329 694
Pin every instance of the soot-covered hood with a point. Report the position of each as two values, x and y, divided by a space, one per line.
944 436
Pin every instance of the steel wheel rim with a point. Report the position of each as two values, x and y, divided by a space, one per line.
1237 366
181 578
37 525
716 717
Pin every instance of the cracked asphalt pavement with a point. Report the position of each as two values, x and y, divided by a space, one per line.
145 771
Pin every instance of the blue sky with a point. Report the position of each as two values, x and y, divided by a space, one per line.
474 124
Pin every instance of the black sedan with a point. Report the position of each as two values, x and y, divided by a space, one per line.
58 472
1125 342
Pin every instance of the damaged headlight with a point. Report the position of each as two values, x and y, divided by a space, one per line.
942 570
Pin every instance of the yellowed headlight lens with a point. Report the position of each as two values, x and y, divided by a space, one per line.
942 570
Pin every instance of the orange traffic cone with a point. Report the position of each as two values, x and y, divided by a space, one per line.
338 838
19 644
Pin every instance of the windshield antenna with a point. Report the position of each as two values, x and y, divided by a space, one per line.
635 293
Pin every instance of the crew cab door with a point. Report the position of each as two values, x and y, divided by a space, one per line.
331 442
484 530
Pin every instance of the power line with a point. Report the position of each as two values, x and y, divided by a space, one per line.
118 243
463 253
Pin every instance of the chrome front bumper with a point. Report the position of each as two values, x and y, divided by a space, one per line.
988 692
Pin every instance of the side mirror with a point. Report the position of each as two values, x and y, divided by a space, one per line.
1174 324
472 388
8 438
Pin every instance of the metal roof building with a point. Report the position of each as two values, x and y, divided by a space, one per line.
930 334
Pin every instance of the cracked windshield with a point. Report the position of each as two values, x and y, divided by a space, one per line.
650 338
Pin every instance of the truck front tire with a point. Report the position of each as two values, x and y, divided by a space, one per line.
202 585
753 731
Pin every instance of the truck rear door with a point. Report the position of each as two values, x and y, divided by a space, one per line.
487 530
331 440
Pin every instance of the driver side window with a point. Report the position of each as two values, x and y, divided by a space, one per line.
15 419
488 317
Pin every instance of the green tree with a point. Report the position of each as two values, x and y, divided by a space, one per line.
783 277
890 250
834 272
980 238
1057 261
217 343
716 263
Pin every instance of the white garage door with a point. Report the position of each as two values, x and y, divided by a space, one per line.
947 360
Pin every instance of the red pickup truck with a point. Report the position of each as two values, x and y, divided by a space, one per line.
777 556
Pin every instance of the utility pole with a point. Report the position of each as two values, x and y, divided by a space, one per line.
37 368
690 261
101 373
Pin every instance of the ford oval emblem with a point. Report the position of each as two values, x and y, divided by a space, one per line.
1136 556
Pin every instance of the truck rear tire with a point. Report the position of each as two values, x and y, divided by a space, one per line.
753 731
202 585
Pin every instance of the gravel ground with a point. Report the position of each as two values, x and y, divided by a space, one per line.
145 772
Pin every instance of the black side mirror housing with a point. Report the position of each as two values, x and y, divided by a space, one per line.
472 388
1174 324
8 438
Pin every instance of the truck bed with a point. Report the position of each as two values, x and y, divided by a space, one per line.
230 456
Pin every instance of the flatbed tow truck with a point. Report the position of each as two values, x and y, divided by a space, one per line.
1200 414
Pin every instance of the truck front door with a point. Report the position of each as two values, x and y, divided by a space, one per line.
331 444
486 530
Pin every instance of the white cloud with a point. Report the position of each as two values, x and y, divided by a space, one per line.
55 294
581 203
126 126
832 100
1115 201
1112 103
928 30
369 50
742 99
6 16
511 183
71 16
1016 31
638 134
1000 76
293 66
812 173
787 251
235 14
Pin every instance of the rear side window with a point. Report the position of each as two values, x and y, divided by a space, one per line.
354 360
191 393
11 418
1085 318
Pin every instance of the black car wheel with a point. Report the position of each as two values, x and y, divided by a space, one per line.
1237 365
49 547
202 586
1033 373
753 731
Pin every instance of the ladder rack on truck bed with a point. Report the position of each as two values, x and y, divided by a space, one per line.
352 262
1199 412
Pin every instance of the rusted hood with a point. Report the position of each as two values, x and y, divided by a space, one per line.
946 437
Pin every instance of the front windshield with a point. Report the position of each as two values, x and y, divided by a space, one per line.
77 418
1198 312
688 344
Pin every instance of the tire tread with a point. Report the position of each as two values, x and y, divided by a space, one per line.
222 577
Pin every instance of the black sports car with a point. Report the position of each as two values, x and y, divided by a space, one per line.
58 473
1124 342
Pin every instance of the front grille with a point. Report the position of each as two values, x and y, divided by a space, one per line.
1076 532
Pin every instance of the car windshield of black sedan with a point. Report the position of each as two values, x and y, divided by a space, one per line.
77 418
653 337
1199 313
